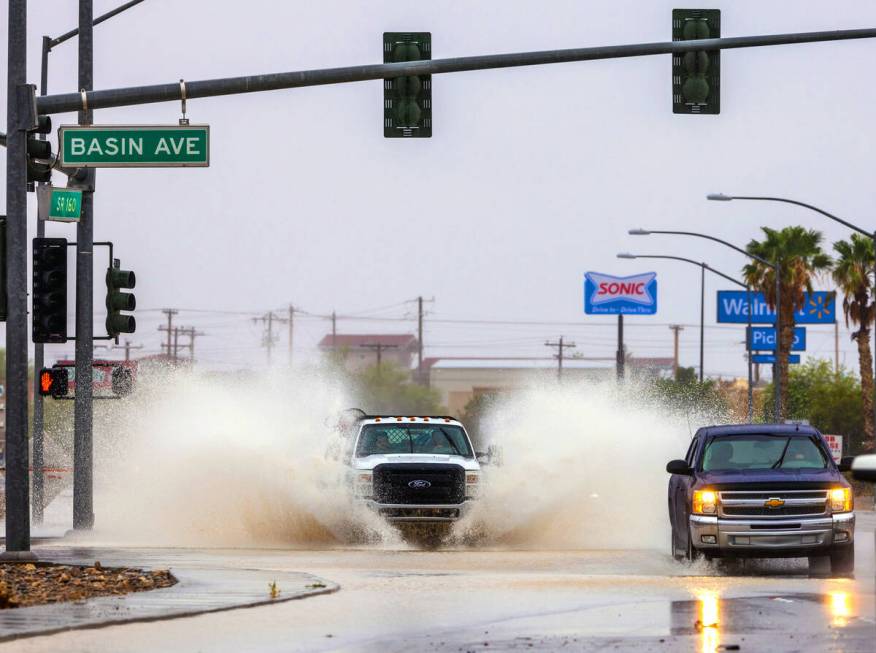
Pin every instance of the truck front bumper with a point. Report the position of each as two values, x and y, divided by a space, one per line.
771 537
424 513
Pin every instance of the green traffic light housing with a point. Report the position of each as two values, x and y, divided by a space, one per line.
118 301
49 297
696 76
38 149
407 100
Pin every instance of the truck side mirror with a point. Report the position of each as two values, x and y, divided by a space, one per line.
483 457
845 463
679 467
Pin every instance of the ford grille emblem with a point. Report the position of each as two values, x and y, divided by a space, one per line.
419 485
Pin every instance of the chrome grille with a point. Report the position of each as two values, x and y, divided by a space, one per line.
797 503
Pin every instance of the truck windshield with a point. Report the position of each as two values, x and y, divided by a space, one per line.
741 452
445 439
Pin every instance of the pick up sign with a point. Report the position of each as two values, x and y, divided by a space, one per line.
605 294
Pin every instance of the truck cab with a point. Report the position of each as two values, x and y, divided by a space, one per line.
414 469
758 491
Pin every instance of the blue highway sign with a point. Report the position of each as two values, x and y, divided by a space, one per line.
818 308
608 295
770 359
761 338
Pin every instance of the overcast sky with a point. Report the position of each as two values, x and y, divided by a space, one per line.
532 176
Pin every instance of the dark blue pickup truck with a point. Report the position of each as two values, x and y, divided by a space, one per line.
761 491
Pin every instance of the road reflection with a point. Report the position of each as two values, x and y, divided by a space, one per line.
713 618
840 607
708 621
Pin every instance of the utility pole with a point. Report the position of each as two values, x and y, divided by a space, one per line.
291 319
836 347
169 312
378 347
191 333
676 328
269 318
175 344
83 481
334 328
420 340
560 346
421 377
127 347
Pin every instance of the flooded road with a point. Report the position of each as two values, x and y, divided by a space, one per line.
394 599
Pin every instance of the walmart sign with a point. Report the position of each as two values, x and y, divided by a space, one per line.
818 308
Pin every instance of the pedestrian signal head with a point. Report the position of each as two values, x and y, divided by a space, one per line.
53 382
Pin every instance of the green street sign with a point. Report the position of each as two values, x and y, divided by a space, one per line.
65 205
134 146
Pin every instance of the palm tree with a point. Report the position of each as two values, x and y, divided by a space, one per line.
853 275
800 257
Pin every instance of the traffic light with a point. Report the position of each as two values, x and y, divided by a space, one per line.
49 290
407 101
38 149
118 301
696 76
53 381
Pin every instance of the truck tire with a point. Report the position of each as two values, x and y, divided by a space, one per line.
673 548
842 561
692 554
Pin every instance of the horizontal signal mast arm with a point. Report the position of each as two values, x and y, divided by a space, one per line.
120 97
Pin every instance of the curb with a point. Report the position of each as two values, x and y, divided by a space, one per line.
196 593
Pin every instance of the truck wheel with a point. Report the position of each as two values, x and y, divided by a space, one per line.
674 549
842 561
692 554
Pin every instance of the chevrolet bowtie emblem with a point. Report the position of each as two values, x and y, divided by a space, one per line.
774 503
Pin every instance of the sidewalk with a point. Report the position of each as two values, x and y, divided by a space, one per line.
208 582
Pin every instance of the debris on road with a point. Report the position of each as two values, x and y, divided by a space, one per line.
23 585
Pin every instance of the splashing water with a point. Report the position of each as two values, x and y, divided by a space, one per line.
583 467
191 459
238 462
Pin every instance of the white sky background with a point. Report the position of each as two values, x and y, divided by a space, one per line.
532 177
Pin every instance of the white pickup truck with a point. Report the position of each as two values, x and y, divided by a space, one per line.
413 469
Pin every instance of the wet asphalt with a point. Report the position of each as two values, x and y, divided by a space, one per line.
487 600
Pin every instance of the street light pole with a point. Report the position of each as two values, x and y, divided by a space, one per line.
777 380
702 315
721 197
704 267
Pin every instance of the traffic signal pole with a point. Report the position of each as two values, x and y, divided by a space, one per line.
83 446
128 96
38 493
17 122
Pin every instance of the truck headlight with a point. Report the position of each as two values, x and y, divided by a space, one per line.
841 499
705 502
364 484
472 480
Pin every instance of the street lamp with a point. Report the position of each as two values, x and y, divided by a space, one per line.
721 197
777 380
703 267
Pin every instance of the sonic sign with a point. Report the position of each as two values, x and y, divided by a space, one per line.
608 295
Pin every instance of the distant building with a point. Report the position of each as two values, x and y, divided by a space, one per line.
459 380
363 350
